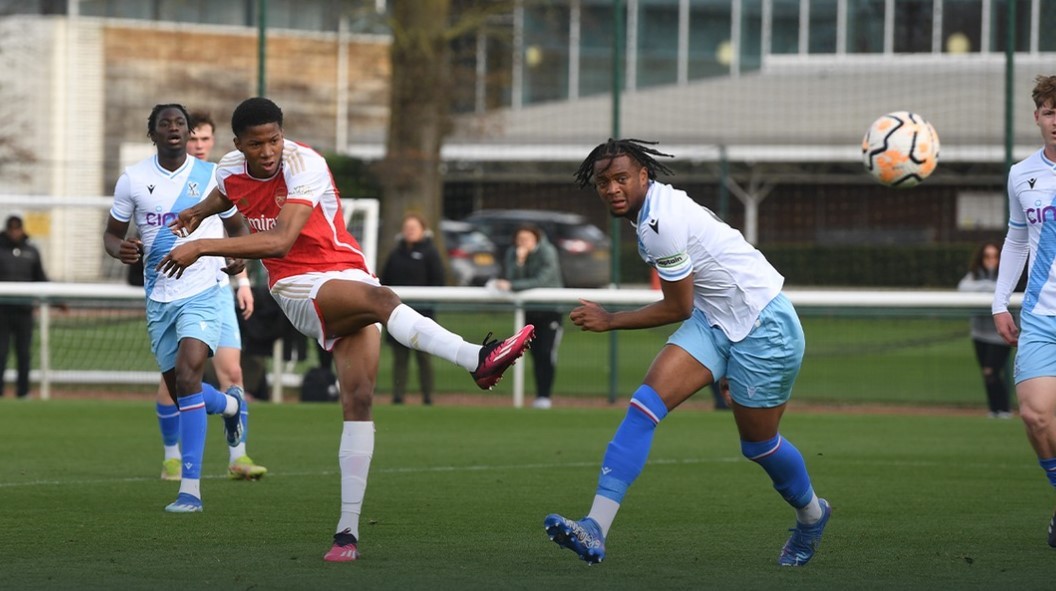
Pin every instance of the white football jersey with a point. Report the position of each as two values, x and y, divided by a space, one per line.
732 281
153 196
1031 226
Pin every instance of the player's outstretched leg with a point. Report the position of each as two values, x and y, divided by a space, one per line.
583 537
805 539
241 466
496 357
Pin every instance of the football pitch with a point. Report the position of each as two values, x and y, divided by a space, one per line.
457 496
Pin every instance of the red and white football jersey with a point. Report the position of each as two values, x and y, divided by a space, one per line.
303 178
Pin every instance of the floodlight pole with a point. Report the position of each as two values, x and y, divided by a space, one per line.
614 223
262 46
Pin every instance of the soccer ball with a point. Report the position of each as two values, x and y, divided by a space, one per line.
900 149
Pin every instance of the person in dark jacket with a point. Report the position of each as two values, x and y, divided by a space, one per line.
532 262
19 261
414 261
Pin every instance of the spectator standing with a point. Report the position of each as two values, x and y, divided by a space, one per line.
532 262
991 350
414 261
19 261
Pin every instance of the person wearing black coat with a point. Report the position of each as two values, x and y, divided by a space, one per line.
19 261
414 261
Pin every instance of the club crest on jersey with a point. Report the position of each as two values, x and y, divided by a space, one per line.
192 190
280 197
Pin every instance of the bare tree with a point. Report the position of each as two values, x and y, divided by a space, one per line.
411 173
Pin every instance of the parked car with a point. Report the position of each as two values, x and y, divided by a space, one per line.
583 249
470 253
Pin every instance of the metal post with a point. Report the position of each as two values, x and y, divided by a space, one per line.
45 350
614 224
518 369
262 46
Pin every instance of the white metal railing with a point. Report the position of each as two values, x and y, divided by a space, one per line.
48 294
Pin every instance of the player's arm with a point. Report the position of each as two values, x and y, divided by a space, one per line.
269 244
1014 254
676 306
117 246
127 251
188 220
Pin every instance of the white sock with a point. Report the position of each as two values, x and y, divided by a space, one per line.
191 486
357 447
236 452
413 330
232 406
172 451
604 512
810 514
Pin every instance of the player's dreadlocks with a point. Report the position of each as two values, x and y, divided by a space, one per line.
638 150
253 112
152 121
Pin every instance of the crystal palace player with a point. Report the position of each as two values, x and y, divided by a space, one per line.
735 323
183 315
1031 219
318 276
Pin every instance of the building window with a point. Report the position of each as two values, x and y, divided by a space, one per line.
913 28
865 26
999 28
657 43
822 26
962 26
545 56
710 46
595 49
784 30
1047 23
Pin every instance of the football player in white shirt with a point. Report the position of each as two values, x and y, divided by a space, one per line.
736 325
183 318
227 359
1032 235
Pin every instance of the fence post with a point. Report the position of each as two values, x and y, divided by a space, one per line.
518 369
45 348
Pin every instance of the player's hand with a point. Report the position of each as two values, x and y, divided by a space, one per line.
131 251
234 266
590 316
186 222
244 298
178 259
1006 327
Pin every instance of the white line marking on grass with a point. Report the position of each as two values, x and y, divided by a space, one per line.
474 468
405 470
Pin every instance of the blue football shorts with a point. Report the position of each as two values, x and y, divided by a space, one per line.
230 337
1036 355
762 366
196 317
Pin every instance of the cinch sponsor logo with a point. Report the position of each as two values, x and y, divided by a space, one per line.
1039 214
160 219
261 224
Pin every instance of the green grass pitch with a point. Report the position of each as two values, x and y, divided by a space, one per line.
457 497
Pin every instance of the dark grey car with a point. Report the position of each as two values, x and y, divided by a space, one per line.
583 249
470 254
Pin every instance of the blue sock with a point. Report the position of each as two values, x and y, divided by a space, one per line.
215 400
1049 466
785 465
192 433
625 457
169 422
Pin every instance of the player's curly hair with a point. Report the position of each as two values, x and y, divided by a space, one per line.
255 111
153 119
638 150
1044 91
